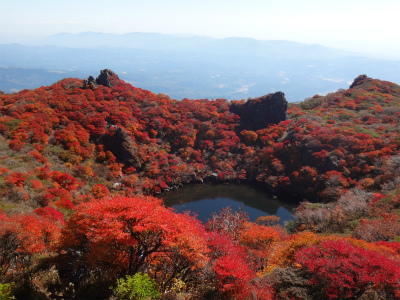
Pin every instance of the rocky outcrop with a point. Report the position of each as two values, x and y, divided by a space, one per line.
107 78
121 145
89 83
360 80
260 112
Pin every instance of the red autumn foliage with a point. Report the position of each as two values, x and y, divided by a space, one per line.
16 145
21 237
16 178
235 277
127 234
340 149
50 213
345 271
66 181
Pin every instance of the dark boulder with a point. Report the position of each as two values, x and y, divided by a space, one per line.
258 113
107 78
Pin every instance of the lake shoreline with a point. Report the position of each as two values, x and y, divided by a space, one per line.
206 198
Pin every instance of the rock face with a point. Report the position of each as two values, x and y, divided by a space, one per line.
121 145
360 80
107 78
260 112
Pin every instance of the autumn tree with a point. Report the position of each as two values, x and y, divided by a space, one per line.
228 222
120 236
21 237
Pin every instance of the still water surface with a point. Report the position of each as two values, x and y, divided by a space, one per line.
204 199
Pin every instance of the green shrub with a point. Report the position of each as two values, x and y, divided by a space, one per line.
311 103
136 287
6 292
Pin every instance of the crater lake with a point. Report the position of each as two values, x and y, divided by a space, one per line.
205 199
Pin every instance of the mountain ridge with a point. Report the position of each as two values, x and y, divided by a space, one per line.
147 40
198 67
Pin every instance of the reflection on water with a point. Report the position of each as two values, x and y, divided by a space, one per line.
204 199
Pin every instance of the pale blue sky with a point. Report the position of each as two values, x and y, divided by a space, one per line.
365 26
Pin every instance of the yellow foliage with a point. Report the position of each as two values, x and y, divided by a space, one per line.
283 253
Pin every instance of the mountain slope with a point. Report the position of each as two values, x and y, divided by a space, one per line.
121 130
77 156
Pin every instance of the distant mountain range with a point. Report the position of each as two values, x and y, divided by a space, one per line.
190 66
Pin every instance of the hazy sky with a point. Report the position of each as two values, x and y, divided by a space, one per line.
362 25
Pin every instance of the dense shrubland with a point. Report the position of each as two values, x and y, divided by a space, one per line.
78 168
